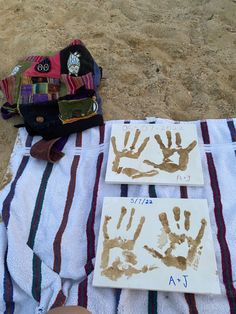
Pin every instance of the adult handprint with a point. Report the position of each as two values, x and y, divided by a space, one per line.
119 268
130 153
168 258
168 151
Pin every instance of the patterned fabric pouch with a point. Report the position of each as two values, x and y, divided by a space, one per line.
56 95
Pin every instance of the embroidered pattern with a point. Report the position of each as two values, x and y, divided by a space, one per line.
73 83
44 66
16 69
73 63
37 89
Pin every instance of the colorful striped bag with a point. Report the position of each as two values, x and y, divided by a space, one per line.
56 95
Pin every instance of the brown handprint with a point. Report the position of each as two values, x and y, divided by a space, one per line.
117 268
169 259
168 151
130 153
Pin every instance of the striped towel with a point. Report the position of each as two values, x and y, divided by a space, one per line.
51 217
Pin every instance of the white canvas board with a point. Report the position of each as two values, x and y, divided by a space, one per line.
154 154
156 244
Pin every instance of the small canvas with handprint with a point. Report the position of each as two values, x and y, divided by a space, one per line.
154 154
156 244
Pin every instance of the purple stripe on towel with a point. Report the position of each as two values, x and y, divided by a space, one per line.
39 205
189 297
232 130
91 218
221 235
8 286
82 293
60 300
39 201
8 289
219 218
28 141
205 133
9 198
83 286
37 277
102 133
78 142
69 200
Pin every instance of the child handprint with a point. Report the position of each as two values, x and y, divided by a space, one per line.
130 153
119 268
168 151
168 258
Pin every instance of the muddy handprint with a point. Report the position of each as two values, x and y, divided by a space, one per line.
175 240
119 268
132 153
169 150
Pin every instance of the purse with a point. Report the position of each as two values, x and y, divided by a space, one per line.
56 95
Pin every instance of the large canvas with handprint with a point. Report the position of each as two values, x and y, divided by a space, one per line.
154 154
156 244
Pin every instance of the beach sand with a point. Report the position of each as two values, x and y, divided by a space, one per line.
165 58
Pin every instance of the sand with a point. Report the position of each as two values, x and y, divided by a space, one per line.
165 58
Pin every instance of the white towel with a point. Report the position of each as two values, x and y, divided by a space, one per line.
51 217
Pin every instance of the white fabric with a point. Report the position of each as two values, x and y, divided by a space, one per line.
74 238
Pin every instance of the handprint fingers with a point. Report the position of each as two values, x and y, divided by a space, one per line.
117 270
122 214
129 153
142 146
176 212
153 252
159 141
150 163
178 139
201 231
140 174
118 241
175 240
187 215
113 142
195 243
164 221
139 228
124 152
167 151
168 134
127 134
161 144
134 173
191 146
119 267
130 172
168 259
115 163
130 219
104 229
136 137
